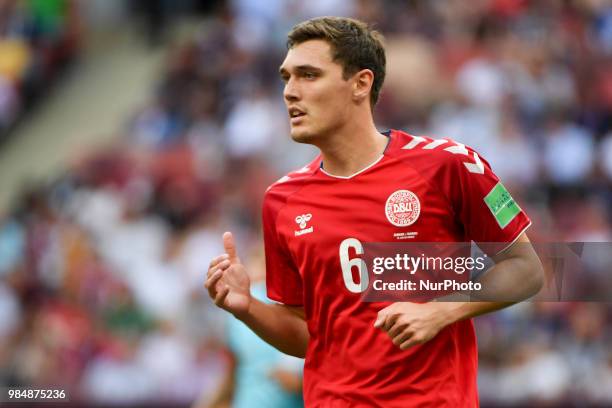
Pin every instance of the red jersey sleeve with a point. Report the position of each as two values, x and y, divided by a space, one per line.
484 207
283 281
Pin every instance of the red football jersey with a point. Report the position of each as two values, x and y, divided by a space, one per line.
312 220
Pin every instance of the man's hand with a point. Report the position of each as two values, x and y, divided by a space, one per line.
408 324
227 280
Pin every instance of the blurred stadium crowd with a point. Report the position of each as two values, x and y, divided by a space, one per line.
38 38
101 272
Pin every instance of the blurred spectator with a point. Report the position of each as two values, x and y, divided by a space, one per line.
38 38
252 124
605 155
569 153
12 244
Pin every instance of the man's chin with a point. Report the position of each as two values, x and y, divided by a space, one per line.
301 136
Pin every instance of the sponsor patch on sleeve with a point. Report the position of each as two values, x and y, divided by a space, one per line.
502 205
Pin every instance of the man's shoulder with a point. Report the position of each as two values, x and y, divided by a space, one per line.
427 152
290 183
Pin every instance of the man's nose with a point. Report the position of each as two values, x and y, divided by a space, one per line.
290 93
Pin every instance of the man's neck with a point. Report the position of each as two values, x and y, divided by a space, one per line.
352 149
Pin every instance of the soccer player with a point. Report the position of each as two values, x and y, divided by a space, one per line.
316 220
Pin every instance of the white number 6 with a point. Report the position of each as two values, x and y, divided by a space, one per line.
348 264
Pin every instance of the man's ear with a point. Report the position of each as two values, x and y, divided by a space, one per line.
362 84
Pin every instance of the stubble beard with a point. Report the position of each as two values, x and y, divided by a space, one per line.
303 136
316 137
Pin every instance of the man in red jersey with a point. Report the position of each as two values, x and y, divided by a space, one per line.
370 187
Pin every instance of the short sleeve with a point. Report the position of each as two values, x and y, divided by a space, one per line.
485 208
283 281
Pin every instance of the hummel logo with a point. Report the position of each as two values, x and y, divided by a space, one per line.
302 220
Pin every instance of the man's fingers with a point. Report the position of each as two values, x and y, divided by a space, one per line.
216 273
402 338
397 328
213 279
221 295
385 321
383 317
216 260
221 266
390 322
414 340
380 320
409 343
230 246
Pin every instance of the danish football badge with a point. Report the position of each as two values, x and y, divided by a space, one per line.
402 208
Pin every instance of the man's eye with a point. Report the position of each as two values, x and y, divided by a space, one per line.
310 75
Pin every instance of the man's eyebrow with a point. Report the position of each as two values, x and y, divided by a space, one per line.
300 68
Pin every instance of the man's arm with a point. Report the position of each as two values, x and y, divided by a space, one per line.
516 276
228 285
281 326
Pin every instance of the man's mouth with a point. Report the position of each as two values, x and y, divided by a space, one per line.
296 113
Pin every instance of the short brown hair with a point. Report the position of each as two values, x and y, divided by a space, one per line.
354 45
